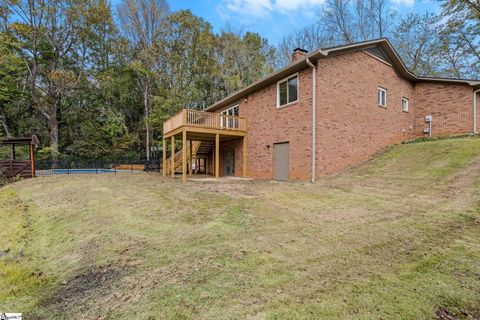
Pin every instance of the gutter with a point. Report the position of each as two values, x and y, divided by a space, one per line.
314 122
475 110
314 111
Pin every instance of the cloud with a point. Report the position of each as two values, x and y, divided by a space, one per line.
408 3
262 8
285 5
250 7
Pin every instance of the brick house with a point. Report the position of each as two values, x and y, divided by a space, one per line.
327 110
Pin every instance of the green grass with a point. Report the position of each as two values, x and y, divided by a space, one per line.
395 238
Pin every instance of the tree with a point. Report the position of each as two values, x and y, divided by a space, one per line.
142 24
310 38
460 37
348 21
415 39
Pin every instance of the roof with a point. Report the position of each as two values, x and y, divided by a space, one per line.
23 140
316 55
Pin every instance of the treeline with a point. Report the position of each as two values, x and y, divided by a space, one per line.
445 44
96 81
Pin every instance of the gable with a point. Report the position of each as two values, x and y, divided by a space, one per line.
379 53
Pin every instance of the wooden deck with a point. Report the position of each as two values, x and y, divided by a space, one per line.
204 124
192 125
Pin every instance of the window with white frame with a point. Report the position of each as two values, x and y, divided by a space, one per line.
404 104
382 97
287 91
227 117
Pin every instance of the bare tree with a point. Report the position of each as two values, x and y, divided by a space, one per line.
309 38
349 21
415 38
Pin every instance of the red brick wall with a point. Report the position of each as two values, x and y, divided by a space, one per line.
268 124
450 106
351 127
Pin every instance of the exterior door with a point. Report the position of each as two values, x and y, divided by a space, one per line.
229 162
281 161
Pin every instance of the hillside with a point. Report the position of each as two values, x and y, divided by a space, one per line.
395 238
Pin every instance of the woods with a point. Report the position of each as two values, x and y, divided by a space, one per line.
96 80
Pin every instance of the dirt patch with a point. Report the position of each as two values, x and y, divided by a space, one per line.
79 287
444 314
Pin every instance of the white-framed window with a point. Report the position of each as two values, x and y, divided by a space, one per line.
287 91
227 120
382 97
404 104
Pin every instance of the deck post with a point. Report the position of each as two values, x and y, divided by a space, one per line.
184 156
217 155
32 160
164 157
244 142
191 158
172 159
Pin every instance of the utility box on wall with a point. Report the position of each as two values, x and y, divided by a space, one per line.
428 118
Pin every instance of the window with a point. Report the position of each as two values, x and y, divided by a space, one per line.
228 121
287 91
382 97
404 104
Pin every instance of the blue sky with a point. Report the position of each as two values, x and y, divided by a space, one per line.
274 18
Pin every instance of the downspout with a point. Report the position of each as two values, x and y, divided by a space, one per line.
314 121
475 110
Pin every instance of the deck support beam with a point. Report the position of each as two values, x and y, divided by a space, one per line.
164 157
172 159
244 145
191 158
217 155
32 160
184 156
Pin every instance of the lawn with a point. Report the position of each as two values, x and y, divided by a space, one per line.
395 238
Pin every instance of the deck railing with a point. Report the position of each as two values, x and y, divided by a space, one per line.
211 120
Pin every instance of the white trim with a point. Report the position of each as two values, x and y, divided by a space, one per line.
407 106
278 90
378 97
230 108
231 122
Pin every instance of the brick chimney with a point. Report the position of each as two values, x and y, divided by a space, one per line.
298 53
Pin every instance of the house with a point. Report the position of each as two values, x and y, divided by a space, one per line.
327 110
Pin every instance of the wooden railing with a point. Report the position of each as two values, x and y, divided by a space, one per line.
177 159
203 119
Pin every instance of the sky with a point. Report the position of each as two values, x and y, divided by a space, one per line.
272 19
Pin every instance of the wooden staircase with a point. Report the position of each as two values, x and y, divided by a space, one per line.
198 147
205 147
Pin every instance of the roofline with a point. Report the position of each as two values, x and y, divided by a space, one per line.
314 56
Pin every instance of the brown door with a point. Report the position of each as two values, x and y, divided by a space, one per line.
229 162
281 161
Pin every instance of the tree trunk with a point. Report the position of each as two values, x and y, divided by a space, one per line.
4 123
53 122
147 128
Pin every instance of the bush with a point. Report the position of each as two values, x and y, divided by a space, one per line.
3 179
427 139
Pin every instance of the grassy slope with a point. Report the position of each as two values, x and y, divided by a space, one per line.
396 238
